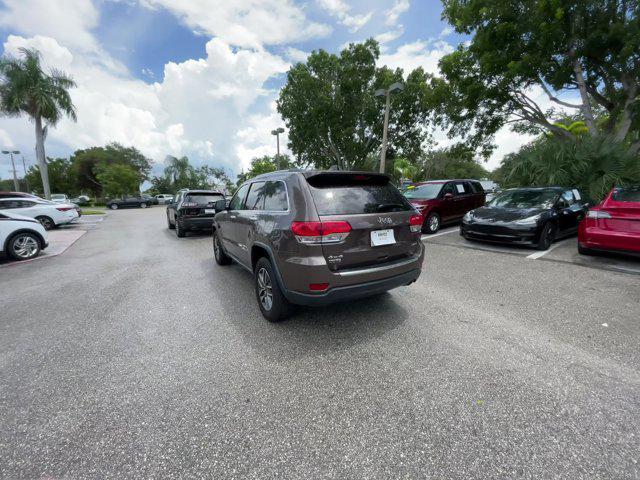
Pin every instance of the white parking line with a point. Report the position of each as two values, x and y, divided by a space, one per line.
444 232
542 253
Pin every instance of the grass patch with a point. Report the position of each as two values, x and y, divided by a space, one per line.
93 212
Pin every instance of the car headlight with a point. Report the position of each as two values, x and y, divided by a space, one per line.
528 221
467 217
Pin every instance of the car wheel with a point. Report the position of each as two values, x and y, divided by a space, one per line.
46 222
547 236
24 246
113 206
170 225
218 252
179 232
143 205
273 306
432 223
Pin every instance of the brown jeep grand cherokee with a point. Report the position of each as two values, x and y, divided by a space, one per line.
317 237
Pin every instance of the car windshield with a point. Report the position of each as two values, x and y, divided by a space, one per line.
202 198
627 194
424 192
525 199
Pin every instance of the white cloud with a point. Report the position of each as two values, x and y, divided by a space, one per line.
341 11
390 36
446 31
425 54
246 23
399 7
196 110
296 55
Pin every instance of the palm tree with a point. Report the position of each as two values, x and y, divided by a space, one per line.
26 88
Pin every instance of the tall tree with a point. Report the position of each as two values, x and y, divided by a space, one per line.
335 118
26 88
264 164
62 178
583 55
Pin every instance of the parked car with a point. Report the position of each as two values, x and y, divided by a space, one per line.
318 237
444 201
151 200
49 214
21 238
81 200
59 198
192 210
128 202
527 216
18 194
164 198
613 225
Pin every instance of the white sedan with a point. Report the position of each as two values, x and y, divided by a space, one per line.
21 237
49 214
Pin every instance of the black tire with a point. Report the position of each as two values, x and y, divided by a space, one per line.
46 222
218 252
432 223
547 236
170 225
265 282
180 233
113 206
143 205
24 246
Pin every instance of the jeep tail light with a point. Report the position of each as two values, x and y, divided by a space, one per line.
318 287
320 232
415 223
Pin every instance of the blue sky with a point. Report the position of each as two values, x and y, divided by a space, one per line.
200 78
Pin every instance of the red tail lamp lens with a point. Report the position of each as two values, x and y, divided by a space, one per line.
318 287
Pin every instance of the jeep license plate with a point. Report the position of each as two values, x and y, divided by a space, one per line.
209 210
382 237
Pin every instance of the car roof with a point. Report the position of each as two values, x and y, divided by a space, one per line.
558 189
313 173
203 191
447 180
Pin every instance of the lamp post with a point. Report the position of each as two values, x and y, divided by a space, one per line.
386 93
15 175
277 133
26 180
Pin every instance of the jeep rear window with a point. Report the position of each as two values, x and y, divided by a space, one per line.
336 194
202 198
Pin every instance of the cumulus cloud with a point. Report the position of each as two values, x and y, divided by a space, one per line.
393 14
246 23
340 10
425 54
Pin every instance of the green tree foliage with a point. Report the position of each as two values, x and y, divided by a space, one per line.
452 162
88 163
335 118
594 165
587 48
26 88
262 165
62 178
118 179
179 173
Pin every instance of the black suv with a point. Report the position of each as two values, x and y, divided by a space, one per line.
192 210
317 237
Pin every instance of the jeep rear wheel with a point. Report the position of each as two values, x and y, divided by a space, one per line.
273 305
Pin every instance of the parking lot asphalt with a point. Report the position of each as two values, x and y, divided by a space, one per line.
133 355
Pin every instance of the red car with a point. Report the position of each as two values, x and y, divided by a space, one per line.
613 225
445 201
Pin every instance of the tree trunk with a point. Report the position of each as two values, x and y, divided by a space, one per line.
586 102
42 161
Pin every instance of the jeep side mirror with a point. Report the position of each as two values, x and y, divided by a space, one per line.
220 205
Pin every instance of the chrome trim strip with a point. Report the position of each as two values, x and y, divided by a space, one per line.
360 271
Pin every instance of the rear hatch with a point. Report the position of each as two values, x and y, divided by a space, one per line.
623 219
200 204
377 213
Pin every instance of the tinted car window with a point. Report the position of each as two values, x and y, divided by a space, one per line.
427 191
476 187
525 199
7 204
255 198
202 198
275 197
353 194
568 197
238 198
626 194
448 188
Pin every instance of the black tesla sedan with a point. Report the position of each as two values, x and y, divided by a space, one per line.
527 216
192 210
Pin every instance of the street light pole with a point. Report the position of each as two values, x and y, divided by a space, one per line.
16 185
26 180
387 94
277 133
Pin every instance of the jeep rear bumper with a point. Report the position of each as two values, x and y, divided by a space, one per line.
350 292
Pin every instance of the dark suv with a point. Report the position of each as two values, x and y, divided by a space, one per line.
192 210
445 201
317 237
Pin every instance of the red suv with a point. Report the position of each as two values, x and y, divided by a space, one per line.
445 201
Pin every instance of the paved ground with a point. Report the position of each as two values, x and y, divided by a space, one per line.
133 356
